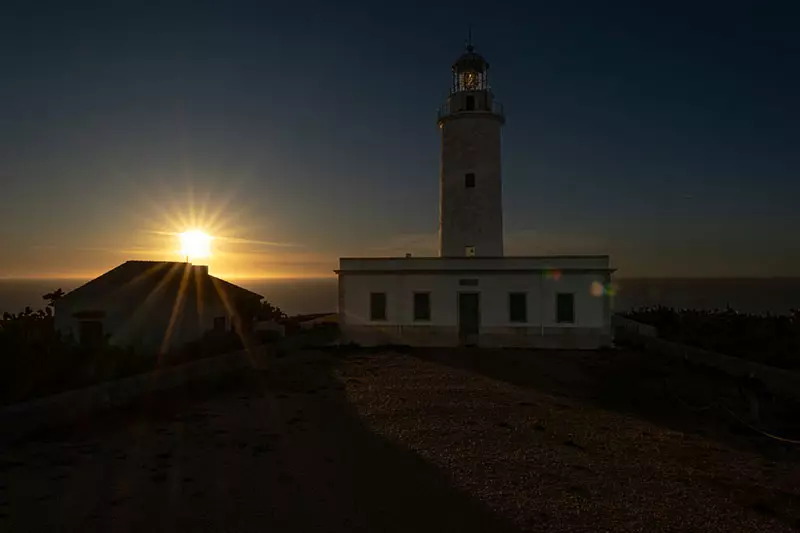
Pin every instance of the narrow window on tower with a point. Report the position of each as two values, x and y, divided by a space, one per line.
470 103
469 180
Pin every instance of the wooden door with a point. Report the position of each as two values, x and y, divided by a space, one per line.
469 318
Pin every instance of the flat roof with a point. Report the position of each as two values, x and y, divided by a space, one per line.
571 263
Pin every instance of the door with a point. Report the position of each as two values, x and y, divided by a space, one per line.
90 333
469 318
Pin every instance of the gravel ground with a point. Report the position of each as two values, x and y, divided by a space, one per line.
533 435
455 440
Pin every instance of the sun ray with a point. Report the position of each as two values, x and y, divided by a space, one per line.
226 215
151 299
177 309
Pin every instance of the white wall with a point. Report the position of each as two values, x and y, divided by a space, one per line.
590 311
144 322
474 216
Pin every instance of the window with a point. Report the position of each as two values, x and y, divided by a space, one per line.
468 282
565 307
219 323
422 306
377 306
469 180
470 103
517 307
469 251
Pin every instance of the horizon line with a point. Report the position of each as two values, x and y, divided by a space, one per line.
333 276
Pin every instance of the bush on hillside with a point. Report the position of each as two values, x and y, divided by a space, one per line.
36 360
767 339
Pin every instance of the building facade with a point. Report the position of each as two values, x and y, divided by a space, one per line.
471 294
498 302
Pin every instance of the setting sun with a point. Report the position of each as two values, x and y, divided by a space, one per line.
195 244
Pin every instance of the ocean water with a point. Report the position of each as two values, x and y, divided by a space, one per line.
747 295
297 296
300 296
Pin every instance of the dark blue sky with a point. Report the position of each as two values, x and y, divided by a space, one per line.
665 133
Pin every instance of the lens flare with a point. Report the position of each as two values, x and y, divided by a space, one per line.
552 274
598 289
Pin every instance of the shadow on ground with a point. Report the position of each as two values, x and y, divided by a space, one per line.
283 450
669 393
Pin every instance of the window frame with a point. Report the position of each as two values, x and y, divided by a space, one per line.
373 317
524 296
427 308
558 314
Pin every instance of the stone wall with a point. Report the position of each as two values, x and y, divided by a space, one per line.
490 337
776 380
625 325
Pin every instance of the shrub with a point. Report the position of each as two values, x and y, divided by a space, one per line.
768 339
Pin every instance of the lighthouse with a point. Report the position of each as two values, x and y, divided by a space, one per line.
470 179
471 294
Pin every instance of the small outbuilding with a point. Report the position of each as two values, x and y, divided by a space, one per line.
154 306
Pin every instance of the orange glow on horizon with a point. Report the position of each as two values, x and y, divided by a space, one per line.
225 231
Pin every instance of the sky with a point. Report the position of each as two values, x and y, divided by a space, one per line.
666 134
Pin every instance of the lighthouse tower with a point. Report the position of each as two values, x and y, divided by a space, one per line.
471 295
470 184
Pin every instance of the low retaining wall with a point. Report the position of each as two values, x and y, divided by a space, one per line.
782 382
626 325
489 337
65 408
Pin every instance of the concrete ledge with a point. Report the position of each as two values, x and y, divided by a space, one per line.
627 325
782 382
490 337
433 336
573 338
19 420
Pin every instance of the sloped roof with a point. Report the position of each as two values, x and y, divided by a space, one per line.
146 277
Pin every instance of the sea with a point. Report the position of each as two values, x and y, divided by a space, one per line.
303 296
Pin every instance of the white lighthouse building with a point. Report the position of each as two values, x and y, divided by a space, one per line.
471 294
471 192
